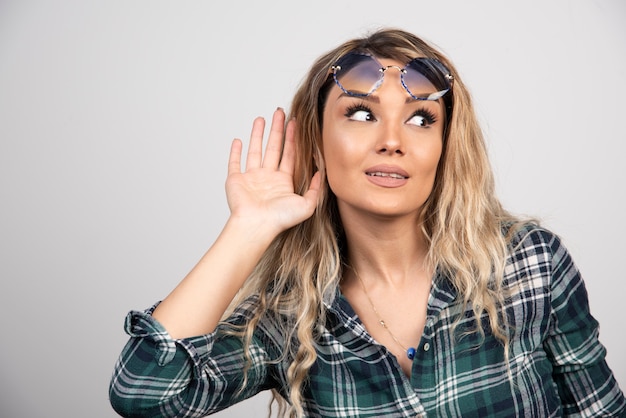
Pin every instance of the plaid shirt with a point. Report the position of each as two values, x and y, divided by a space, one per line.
557 363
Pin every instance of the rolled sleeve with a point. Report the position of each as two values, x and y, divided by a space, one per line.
159 376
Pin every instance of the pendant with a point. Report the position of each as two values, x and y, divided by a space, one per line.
410 353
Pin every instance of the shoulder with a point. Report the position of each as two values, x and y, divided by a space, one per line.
537 253
244 311
530 239
268 327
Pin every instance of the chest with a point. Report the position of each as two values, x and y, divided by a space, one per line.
397 324
452 374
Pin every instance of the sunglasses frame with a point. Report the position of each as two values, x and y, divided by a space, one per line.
438 71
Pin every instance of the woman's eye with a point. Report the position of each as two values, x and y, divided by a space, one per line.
360 113
419 121
362 116
422 118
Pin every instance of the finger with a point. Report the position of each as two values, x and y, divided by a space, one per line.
255 149
275 140
234 160
288 159
311 195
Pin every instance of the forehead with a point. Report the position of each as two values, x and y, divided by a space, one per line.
399 61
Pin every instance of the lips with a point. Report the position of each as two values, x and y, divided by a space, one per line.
387 176
387 171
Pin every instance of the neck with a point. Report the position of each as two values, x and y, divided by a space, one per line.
393 251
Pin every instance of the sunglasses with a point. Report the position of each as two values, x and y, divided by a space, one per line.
360 74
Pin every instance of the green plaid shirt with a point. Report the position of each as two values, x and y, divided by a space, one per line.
557 363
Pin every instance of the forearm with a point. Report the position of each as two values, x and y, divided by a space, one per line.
196 305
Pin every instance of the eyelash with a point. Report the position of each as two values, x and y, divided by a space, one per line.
352 109
428 116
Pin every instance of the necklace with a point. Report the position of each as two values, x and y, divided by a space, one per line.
410 352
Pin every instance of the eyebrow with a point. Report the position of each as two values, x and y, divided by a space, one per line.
367 98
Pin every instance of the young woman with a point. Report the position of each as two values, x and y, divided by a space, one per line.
368 270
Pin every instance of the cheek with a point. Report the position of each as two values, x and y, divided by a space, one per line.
431 160
340 156
334 144
426 166
428 154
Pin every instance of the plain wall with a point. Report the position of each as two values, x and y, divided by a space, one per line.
115 123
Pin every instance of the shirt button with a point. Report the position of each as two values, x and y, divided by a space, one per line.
426 346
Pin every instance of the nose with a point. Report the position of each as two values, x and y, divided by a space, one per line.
390 128
390 140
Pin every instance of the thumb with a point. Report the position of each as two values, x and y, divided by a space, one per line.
311 196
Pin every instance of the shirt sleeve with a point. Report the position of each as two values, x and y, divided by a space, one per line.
157 376
585 383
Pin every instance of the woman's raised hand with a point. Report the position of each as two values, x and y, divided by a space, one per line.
263 194
263 204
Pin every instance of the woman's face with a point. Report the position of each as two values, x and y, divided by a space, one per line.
382 151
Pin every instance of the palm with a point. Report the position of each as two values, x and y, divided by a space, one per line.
264 191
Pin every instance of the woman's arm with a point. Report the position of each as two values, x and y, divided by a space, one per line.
175 364
263 204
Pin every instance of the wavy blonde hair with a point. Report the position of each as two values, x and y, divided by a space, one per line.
299 274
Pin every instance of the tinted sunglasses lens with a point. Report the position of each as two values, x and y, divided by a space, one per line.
357 74
425 79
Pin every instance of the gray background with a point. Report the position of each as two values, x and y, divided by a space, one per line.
115 123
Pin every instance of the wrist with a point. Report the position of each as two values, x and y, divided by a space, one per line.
252 229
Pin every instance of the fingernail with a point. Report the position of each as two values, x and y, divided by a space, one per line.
279 108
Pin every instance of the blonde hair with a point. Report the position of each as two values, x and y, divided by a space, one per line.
300 272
